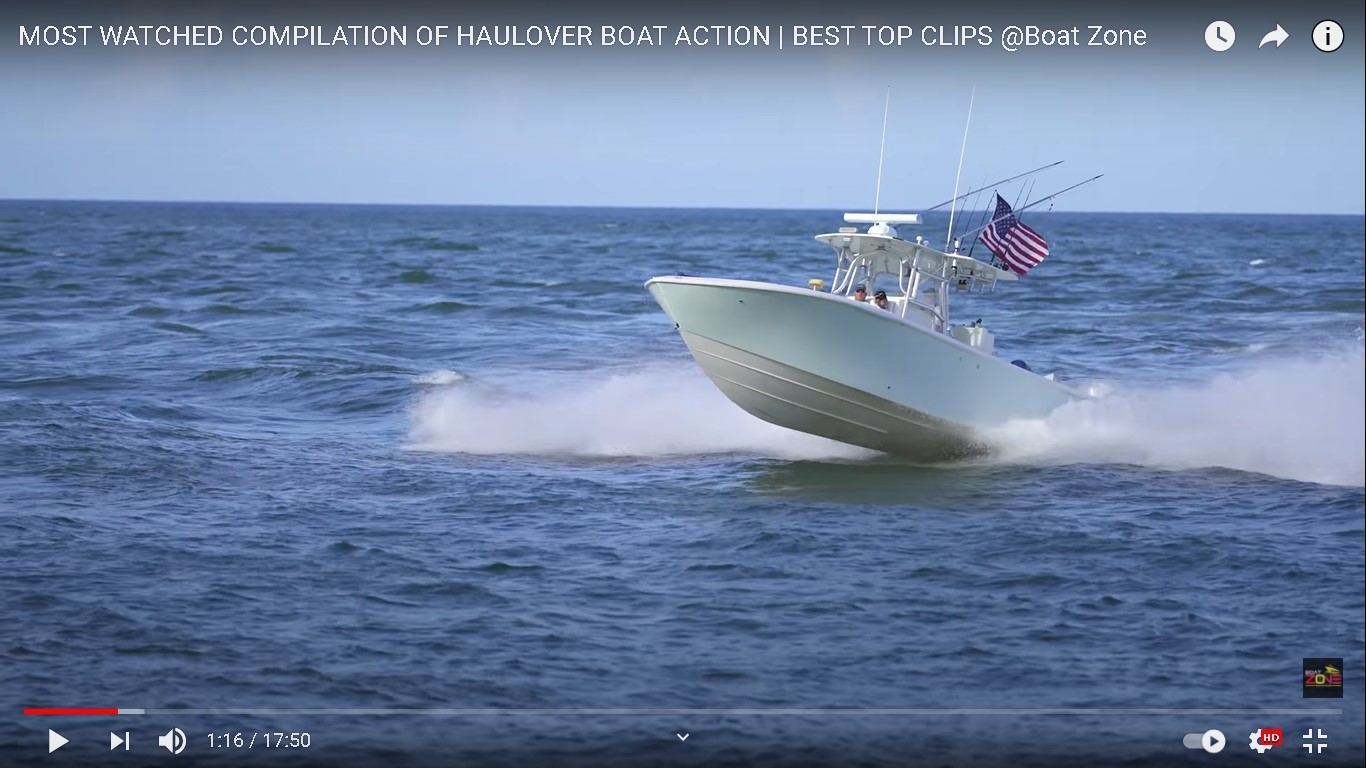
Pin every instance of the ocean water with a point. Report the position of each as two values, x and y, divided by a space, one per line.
268 460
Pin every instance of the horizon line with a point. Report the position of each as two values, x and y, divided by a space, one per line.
163 201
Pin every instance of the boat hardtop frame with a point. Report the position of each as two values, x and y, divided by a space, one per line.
922 275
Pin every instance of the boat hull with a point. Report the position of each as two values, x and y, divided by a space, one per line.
848 371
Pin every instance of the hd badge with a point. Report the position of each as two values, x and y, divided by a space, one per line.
1263 739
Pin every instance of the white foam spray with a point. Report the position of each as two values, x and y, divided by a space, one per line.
440 378
1297 419
667 409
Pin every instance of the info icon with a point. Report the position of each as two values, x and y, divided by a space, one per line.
1323 678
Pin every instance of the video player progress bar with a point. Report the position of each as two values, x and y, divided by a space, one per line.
691 712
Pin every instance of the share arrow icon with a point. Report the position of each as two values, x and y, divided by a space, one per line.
1277 36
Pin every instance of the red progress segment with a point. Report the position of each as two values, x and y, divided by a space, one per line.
69 711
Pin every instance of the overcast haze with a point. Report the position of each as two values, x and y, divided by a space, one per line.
1175 126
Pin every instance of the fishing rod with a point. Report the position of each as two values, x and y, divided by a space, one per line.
958 241
980 219
1040 201
994 183
1024 192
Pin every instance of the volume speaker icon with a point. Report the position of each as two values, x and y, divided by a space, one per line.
173 740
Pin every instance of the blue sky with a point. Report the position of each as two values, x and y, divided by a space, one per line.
1175 127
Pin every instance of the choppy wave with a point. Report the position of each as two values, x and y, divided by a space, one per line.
1298 419
662 410
434 244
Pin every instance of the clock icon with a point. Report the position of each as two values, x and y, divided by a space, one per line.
1219 35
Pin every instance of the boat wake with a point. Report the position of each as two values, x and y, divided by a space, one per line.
1296 419
661 410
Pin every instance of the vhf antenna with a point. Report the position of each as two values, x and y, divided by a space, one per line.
948 238
877 196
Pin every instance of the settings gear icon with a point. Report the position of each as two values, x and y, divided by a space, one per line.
1255 742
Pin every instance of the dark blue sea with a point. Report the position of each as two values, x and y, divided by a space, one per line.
451 475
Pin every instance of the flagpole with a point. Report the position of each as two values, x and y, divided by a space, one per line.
962 152
1013 230
1014 207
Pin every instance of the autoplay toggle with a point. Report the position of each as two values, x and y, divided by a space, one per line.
1212 741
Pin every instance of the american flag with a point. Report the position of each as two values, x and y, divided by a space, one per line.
1015 244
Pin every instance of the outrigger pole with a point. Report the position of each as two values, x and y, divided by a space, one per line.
1040 201
988 186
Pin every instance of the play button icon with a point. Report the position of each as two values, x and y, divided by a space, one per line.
1212 742
55 741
